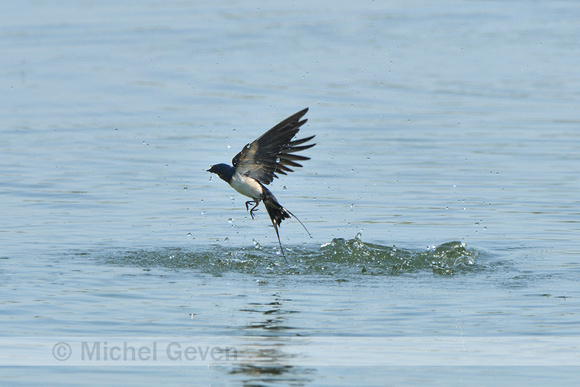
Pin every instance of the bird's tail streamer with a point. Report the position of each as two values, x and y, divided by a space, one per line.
277 214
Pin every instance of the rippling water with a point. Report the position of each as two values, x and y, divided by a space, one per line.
442 194
337 258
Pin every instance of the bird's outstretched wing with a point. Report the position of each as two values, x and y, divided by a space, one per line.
274 152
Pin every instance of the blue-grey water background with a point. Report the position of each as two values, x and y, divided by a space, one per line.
442 194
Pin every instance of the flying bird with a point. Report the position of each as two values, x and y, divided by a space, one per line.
259 162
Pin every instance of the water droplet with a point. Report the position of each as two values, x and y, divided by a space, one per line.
231 221
185 189
226 239
189 235
203 212
284 188
256 244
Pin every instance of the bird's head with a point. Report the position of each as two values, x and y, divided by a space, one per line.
224 171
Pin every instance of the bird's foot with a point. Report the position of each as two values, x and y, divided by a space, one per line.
253 208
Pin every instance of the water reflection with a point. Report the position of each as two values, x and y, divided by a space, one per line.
263 349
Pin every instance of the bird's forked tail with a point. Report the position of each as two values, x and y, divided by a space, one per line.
277 215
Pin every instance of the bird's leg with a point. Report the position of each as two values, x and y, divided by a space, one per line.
253 208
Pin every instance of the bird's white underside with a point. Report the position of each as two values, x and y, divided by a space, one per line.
246 185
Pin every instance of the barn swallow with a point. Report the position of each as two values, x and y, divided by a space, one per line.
257 164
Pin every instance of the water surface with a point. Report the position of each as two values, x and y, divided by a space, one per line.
442 194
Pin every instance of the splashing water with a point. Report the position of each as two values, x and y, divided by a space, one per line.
339 257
